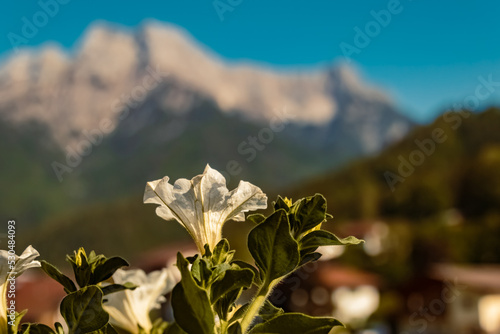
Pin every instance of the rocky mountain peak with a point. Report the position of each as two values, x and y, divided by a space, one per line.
111 67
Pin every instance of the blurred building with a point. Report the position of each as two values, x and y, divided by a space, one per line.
446 299
325 288
476 289
40 295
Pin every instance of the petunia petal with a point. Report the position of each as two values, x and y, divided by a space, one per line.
27 260
203 204
22 263
246 197
130 308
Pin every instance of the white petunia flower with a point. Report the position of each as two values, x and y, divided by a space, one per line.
11 270
203 204
129 309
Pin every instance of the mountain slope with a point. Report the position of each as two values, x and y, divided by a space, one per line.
114 68
462 173
420 177
153 141
29 190
127 107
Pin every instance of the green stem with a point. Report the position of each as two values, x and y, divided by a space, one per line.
256 304
223 326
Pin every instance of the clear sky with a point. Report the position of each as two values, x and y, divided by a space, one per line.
427 55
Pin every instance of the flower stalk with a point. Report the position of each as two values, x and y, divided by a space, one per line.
256 304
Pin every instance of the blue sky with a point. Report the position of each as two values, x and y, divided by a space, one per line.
427 56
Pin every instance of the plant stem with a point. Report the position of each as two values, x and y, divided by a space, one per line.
223 326
256 304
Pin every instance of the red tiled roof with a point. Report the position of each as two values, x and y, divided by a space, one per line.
39 294
159 257
334 275
479 277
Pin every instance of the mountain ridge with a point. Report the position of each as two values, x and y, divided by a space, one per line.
129 107
69 92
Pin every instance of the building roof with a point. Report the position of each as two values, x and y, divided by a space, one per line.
334 275
477 277
39 294
158 258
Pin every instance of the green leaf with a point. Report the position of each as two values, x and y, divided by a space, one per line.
83 310
296 323
235 328
244 265
193 258
309 257
240 312
107 268
36 329
281 204
174 328
269 311
226 291
81 267
207 252
117 287
225 303
233 279
201 271
13 329
266 313
219 271
314 239
220 252
192 309
310 212
95 260
159 326
93 269
256 218
105 330
62 279
59 328
273 248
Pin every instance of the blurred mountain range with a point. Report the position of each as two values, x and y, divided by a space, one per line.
126 107
450 203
